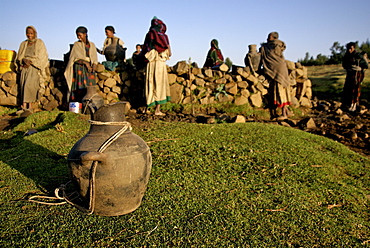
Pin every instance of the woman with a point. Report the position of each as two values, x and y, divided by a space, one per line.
157 51
80 70
32 61
214 56
355 64
113 46
275 69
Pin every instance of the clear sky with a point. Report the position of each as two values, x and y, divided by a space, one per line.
305 26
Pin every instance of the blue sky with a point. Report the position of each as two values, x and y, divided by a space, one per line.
305 26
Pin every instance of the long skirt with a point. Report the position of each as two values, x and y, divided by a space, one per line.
279 96
352 87
157 88
80 80
30 84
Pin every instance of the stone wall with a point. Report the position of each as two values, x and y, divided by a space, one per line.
240 86
188 84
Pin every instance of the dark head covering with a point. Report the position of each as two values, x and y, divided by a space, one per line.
110 28
82 30
274 35
156 37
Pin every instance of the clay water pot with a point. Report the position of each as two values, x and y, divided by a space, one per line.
92 101
116 184
115 52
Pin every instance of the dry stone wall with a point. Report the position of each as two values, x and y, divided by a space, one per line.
188 84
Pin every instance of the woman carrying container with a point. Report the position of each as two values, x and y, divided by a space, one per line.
80 70
32 61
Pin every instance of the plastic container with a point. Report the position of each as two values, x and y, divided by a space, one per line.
7 61
75 107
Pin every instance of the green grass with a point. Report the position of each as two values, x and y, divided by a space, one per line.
328 82
222 185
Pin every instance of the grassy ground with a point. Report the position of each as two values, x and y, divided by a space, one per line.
328 81
224 185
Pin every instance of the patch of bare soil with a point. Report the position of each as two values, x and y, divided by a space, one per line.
325 119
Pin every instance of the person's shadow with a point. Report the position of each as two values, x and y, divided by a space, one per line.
47 169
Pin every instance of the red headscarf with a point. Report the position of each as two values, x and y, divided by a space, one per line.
156 37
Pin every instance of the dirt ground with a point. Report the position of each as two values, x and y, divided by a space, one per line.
349 128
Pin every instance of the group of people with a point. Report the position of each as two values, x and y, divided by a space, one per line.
32 61
271 62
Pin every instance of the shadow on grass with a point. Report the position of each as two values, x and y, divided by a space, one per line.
44 167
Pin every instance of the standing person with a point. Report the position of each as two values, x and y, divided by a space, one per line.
276 71
214 55
113 48
157 51
135 55
80 70
355 64
32 62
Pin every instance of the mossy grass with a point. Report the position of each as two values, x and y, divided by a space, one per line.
221 185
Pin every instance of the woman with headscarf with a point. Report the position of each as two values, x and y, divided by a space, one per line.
157 51
32 62
276 71
113 48
80 70
214 56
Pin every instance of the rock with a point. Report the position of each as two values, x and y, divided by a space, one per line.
224 67
172 78
231 88
225 98
116 89
261 88
221 81
256 100
111 95
104 75
241 100
200 82
239 119
305 102
307 123
339 111
242 72
245 93
53 104
100 68
10 83
345 117
9 76
110 82
254 80
176 91
181 68
290 65
208 72
242 84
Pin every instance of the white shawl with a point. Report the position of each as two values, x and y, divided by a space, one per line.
78 52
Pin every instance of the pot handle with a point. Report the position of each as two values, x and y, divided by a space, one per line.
88 157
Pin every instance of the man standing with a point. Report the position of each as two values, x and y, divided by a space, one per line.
276 71
355 65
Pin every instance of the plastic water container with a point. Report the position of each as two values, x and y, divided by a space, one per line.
7 61
75 107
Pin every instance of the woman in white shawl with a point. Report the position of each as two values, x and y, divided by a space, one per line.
80 70
32 62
